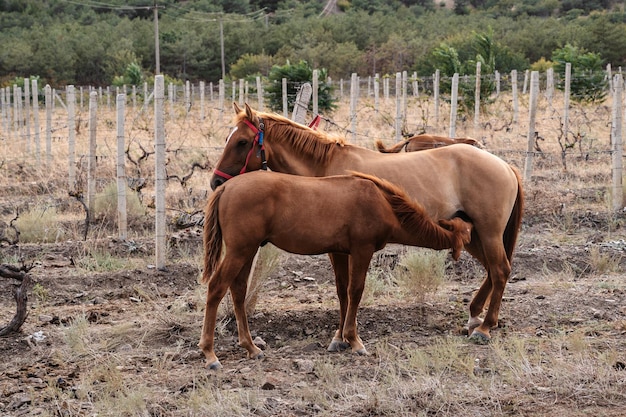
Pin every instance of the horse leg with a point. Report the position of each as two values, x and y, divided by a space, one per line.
238 291
359 264
217 287
340 263
498 271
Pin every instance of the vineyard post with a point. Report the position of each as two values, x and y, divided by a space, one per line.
436 97
221 99
616 143
315 91
398 106
187 97
259 92
497 83
27 114
477 99
242 98
160 176
71 126
405 91
134 94
376 93
532 114
121 172
416 89
568 78
354 93
550 85
17 117
202 86
453 104
525 86
514 94
48 98
35 92
91 161
285 102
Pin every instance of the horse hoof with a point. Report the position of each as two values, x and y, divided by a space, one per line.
338 346
361 352
215 366
259 356
479 338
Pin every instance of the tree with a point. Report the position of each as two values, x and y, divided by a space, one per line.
297 75
588 83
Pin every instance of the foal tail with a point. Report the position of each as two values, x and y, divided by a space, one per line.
515 220
454 233
380 146
212 236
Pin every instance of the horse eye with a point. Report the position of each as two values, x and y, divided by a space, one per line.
242 142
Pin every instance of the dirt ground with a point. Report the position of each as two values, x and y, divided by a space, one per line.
144 324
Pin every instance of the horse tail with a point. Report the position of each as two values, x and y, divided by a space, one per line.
515 220
212 237
380 146
454 233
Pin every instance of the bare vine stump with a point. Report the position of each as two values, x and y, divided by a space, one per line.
21 296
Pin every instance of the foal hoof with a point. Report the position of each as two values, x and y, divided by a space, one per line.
479 338
361 352
338 346
258 356
215 366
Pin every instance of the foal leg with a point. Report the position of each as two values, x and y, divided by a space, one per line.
499 269
359 264
238 290
218 285
340 263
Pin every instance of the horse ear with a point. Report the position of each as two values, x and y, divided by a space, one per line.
250 114
236 107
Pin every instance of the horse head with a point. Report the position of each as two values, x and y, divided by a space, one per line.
244 149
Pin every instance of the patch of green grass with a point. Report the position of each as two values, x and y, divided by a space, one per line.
39 225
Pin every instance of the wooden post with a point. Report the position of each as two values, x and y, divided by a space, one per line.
316 87
301 105
376 93
497 83
48 95
532 114
453 104
477 99
35 92
27 114
122 224
514 92
617 150
222 97
549 85
566 94
202 86
436 97
285 101
71 126
259 93
354 93
160 177
91 159
398 106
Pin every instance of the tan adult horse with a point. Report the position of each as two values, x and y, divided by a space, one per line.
424 142
353 215
449 181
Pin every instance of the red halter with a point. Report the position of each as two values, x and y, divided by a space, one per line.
258 138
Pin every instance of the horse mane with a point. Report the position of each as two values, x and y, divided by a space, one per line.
414 218
315 144
212 235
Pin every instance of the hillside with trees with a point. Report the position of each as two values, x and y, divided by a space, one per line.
88 42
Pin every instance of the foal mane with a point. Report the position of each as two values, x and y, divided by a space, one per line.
315 144
414 218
